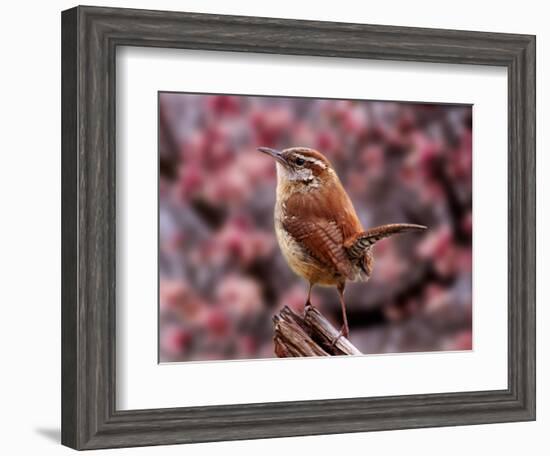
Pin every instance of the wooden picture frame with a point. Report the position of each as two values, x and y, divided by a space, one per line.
90 37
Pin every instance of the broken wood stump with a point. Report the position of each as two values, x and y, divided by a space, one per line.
310 334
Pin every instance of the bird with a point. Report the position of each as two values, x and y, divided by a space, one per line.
317 227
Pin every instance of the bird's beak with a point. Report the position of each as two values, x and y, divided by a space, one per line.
276 154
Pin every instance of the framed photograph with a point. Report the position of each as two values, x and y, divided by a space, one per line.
278 227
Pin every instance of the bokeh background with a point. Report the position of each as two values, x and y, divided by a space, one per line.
221 274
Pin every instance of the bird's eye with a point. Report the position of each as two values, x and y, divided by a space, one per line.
300 161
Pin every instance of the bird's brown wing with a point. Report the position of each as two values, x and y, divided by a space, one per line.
321 225
322 240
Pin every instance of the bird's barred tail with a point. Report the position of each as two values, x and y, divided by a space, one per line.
357 244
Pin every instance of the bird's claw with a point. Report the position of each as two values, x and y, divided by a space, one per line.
344 332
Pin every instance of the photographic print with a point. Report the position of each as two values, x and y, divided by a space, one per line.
220 234
312 227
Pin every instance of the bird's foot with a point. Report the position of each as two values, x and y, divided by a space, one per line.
344 332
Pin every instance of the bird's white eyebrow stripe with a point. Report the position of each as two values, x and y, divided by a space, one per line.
312 160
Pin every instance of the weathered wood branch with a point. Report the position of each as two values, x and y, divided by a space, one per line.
309 334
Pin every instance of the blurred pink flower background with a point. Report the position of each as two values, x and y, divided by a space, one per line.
222 276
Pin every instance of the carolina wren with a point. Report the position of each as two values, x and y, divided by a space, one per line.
317 227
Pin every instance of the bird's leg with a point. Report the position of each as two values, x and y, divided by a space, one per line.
344 331
345 327
308 302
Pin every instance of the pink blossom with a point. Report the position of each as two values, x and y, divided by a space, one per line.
174 341
239 295
224 104
466 223
326 141
173 293
388 265
191 180
462 341
217 322
296 297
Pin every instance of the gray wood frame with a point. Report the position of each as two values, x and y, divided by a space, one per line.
89 38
